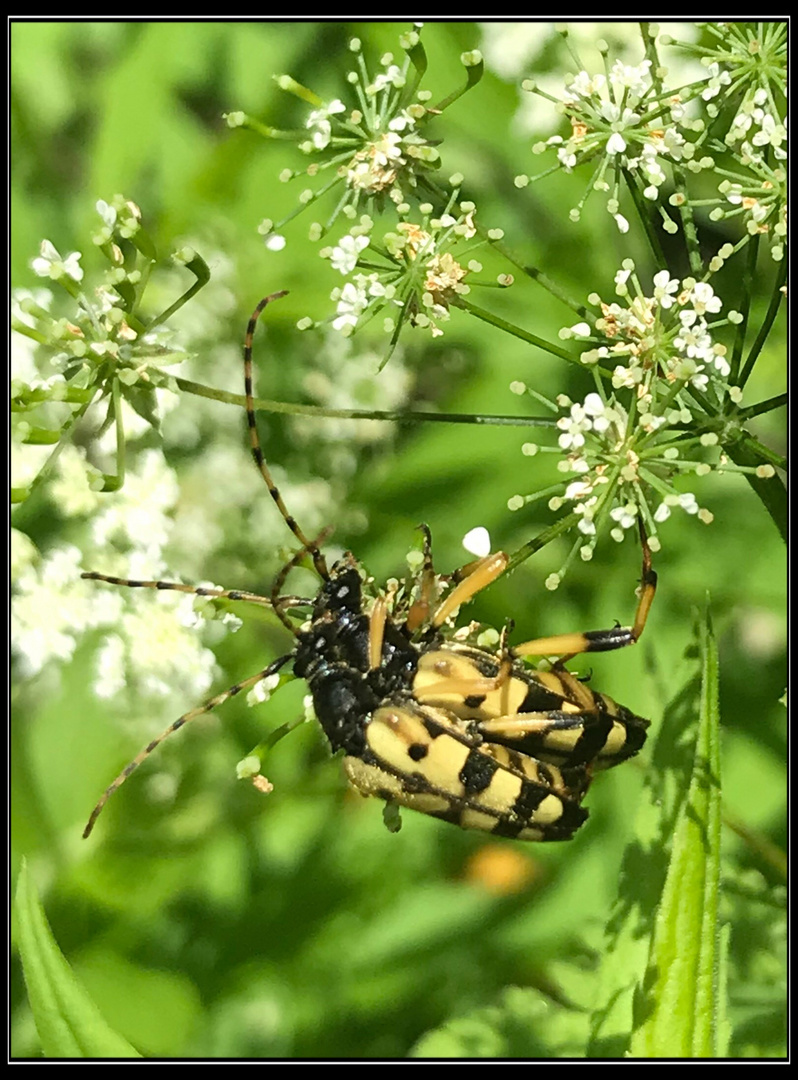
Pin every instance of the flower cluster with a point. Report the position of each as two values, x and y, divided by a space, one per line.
627 447
747 68
51 608
757 192
638 131
747 64
626 123
105 323
151 646
663 340
374 151
412 274
104 346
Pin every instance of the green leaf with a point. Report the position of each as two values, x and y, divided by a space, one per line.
680 1006
68 1022
625 947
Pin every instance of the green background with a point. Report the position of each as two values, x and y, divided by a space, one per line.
296 925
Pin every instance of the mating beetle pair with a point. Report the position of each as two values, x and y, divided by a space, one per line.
426 718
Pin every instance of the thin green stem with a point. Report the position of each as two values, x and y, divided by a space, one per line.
544 281
47 468
536 275
762 452
417 55
251 124
473 73
688 224
515 260
114 483
199 268
409 416
650 45
710 407
29 331
766 406
540 541
271 740
516 331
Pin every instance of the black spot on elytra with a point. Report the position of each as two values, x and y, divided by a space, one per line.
477 772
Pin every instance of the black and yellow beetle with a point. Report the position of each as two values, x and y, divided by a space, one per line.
425 717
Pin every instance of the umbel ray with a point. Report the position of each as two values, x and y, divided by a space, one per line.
426 718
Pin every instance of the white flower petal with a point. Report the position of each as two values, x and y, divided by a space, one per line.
477 541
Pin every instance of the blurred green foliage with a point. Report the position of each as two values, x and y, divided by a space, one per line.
296 925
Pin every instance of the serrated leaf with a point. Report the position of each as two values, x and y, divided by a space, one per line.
68 1022
643 871
680 1005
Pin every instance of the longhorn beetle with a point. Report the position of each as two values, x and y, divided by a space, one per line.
425 717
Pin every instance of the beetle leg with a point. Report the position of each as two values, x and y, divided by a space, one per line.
196 590
377 618
473 687
568 645
418 614
484 572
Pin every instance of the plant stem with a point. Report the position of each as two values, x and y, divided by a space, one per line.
641 206
409 416
766 406
506 252
516 331
762 452
46 469
555 530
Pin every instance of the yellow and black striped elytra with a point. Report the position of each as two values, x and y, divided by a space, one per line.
548 715
421 758
425 720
